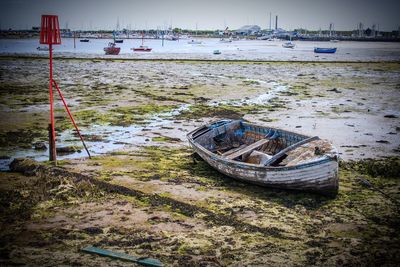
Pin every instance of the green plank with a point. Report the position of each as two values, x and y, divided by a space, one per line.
122 256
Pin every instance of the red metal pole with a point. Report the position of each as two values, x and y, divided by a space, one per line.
71 117
53 155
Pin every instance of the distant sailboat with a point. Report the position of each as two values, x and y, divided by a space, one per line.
142 48
289 44
119 41
226 40
194 41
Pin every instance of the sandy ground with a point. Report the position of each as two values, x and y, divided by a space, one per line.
135 116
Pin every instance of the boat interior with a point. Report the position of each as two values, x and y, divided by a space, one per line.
243 142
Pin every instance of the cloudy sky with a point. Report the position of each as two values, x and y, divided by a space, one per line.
206 14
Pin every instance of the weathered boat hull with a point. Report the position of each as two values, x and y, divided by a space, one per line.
318 176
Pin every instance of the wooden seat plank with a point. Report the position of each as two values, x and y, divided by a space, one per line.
247 149
289 148
233 150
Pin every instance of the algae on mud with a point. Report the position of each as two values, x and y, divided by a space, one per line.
184 212
100 95
215 219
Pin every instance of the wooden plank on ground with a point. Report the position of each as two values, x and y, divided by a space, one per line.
122 256
247 149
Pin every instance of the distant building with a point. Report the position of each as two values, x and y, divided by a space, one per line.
248 30
281 33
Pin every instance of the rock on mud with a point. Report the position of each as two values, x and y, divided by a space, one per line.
93 230
391 116
39 146
67 150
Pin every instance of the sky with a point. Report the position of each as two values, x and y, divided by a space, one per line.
202 14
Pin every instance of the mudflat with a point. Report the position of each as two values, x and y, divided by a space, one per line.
135 115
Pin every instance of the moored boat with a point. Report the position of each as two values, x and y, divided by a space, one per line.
288 45
171 38
217 52
84 40
268 156
194 42
223 40
330 50
142 48
111 49
119 41
43 48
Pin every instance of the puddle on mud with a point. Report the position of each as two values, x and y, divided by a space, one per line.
111 138
261 99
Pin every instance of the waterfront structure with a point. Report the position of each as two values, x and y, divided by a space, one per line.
248 30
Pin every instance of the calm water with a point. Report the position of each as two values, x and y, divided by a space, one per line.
244 49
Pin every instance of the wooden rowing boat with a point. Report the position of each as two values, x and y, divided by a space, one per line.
268 156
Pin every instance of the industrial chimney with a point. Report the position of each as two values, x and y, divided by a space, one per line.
276 22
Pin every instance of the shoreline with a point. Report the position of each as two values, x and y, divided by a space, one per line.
301 39
189 60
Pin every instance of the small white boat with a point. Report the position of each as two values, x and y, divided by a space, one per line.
223 40
194 42
288 45
268 156
217 52
171 38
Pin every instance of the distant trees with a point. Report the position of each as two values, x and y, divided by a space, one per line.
177 30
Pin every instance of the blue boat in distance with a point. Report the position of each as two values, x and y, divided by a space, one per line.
324 50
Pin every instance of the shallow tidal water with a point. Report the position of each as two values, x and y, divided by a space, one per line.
236 50
128 104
